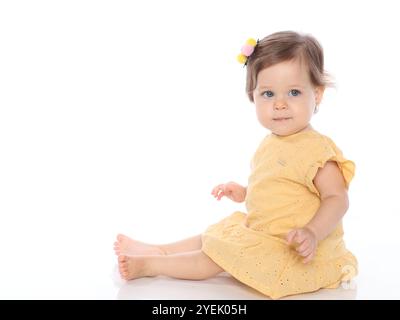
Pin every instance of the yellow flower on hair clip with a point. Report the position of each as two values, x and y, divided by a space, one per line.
247 50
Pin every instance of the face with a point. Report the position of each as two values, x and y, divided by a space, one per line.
285 98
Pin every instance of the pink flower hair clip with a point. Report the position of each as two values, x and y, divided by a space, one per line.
247 51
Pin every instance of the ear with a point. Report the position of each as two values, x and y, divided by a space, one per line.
319 93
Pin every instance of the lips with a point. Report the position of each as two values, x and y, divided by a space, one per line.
281 118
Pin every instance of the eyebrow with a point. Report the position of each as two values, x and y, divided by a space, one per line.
292 85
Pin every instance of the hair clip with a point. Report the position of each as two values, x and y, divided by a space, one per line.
247 51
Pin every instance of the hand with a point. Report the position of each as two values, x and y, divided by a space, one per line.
306 242
232 190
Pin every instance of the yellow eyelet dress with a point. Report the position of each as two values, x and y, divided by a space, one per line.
281 196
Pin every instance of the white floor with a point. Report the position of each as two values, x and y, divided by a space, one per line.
74 259
83 275
219 288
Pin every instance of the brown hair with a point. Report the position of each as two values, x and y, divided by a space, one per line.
284 46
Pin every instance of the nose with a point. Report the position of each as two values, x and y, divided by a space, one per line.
278 105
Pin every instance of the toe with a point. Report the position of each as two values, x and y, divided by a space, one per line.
120 237
122 268
123 272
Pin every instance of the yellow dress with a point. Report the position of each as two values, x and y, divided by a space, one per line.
281 196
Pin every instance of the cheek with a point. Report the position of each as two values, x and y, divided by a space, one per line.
259 113
263 111
304 113
304 108
311 101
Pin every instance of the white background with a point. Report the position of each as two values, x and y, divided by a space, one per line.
121 116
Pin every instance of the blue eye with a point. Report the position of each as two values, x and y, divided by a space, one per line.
294 92
268 93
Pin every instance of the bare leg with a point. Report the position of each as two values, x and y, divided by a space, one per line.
193 265
182 246
127 246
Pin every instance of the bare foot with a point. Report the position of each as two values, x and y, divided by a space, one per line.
127 246
132 267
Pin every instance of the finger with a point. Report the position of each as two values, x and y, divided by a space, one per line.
217 193
303 246
309 257
300 237
214 192
290 236
216 189
306 252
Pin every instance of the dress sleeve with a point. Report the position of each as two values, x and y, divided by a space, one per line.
328 151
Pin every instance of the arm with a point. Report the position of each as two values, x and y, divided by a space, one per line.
334 200
331 186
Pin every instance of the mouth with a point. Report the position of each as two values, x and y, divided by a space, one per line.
280 119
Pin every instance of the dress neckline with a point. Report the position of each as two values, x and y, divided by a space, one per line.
294 135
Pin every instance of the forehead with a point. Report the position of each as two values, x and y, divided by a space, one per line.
284 73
